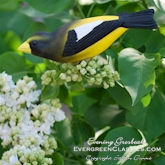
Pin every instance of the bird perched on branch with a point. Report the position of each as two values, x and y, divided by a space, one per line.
85 38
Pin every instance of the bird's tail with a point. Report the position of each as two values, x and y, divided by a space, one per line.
142 19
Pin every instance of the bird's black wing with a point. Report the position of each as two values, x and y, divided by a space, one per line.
84 36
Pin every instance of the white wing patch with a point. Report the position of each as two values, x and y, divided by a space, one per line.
83 30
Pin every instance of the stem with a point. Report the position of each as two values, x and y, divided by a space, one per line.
80 9
90 10
154 142
145 4
106 11
163 153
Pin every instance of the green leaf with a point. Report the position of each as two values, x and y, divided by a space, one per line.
129 7
150 118
49 6
33 28
118 93
137 73
57 159
95 92
55 21
76 86
51 65
13 64
8 4
3 45
105 99
12 40
146 100
63 132
64 96
81 130
81 103
31 12
49 92
161 142
162 28
159 160
155 42
125 134
136 37
101 116
162 52
14 20
112 53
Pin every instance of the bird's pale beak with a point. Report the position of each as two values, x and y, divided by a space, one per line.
25 47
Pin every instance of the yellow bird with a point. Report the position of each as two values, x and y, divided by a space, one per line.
85 38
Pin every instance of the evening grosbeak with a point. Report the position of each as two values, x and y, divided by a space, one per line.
85 38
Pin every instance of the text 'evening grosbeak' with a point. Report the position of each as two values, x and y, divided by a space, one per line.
85 38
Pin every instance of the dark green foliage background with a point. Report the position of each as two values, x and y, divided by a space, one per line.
138 104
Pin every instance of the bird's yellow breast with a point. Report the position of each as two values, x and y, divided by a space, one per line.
98 47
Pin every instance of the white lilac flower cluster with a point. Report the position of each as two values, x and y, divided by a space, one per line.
25 124
94 71
21 155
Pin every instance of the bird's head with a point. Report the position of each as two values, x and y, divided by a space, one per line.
38 44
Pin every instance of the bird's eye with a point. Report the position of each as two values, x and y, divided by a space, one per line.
34 43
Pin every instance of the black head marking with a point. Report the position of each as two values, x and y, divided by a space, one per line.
41 44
